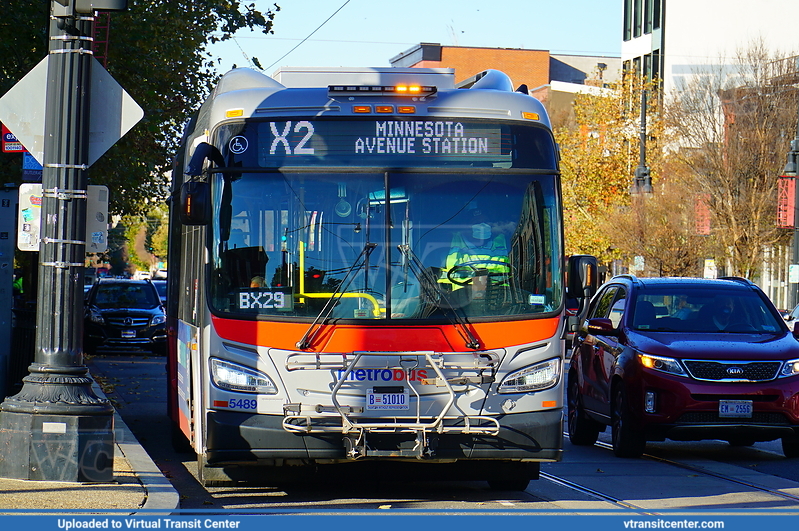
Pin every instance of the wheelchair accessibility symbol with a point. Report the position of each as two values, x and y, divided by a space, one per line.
238 145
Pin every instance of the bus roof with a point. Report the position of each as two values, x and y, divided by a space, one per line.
309 77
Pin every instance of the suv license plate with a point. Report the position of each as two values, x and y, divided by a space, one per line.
387 401
735 409
128 333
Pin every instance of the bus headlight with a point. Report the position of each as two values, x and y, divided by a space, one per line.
533 378
234 377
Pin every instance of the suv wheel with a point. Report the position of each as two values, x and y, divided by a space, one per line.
627 442
583 431
790 446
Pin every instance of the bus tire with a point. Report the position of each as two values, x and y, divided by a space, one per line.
208 476
511 484
512 475
179 441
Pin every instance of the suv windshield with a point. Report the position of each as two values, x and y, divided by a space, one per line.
125 295
684 309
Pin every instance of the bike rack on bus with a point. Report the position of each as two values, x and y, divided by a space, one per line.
356 430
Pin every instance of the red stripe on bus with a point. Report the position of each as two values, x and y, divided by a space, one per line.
348 338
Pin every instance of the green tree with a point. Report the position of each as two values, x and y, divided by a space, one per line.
158 53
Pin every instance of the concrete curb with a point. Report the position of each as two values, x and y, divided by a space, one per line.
160 496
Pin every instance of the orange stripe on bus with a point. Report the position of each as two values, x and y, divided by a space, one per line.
348 338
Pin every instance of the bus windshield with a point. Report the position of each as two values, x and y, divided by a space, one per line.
391 245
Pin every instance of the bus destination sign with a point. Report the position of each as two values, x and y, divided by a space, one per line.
300 142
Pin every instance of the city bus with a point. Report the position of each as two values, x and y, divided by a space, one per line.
367 265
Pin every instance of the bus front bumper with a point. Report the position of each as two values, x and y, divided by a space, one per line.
234 437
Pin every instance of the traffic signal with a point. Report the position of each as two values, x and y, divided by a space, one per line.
642 183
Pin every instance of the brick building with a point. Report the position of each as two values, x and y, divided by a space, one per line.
553 79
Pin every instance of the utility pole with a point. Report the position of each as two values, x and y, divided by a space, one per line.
56 428
790 172
642 182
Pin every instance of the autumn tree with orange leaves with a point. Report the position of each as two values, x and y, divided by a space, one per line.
599 149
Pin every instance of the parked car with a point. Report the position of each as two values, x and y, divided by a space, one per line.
792 317
124 313
160 285
683 359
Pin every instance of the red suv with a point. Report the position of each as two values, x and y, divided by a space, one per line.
683 359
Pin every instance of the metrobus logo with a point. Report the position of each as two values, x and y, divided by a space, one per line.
384 375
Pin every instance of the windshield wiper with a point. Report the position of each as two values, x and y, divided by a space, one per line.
324 314
428 284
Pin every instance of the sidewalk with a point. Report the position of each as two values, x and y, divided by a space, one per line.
138 486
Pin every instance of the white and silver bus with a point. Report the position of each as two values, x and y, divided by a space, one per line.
367 265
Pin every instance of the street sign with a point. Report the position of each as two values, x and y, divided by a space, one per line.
30 215
31 169
793 274
113 112
10 142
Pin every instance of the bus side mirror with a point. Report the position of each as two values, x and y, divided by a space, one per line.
204 151
582 276
582 285
195 203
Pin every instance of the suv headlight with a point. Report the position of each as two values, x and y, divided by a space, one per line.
533 378
234 377
663 364
158 319
789 368
96 318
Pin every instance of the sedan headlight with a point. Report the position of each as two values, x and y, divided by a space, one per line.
234 377
158 319
533 378
663 364
789 368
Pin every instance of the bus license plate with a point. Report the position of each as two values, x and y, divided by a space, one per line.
379 400
128 333
735 409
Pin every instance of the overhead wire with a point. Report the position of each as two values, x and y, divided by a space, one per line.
309 36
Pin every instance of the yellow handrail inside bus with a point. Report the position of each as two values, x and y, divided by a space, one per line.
302 294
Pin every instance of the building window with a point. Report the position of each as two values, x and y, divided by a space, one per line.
648 16
628 20
637 18
656 64
657 7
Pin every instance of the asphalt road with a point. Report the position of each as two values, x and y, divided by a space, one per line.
136 384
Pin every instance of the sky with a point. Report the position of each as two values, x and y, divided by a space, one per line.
371 32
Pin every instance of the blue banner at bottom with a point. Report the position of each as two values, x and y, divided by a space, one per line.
399 521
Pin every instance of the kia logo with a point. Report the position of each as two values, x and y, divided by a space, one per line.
734 371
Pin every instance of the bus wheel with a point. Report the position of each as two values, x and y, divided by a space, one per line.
512 475
512 484
179 441
212 476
